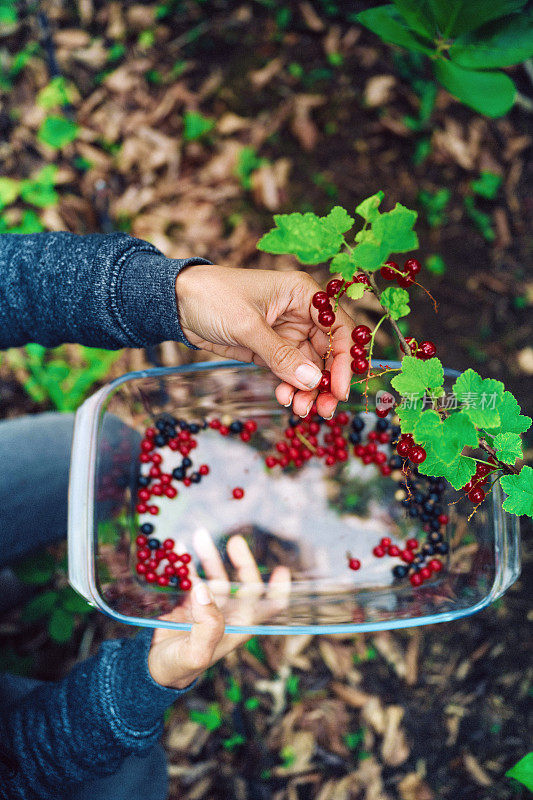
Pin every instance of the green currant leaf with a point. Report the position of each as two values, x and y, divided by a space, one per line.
355 291
395 229
481 398
310 238
396 300
61 625
489 93
511 420
344 264
457 472
368 209
519 491
370 253
417 13
447 438
523 771
338 220
508 447
417 376
409 415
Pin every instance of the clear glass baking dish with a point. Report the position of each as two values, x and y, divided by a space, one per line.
309 519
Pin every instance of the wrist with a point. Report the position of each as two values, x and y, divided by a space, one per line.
190 289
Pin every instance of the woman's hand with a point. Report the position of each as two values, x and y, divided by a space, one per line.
176 658
267 317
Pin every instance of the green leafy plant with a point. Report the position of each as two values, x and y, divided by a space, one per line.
434 205
196 126
58 93
486 187
463 438
57 131
58 604
467 42
247 163
523 771
210 719
50 377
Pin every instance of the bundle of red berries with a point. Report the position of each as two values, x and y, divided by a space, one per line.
404 278
406 448
473 488
153 555
408 553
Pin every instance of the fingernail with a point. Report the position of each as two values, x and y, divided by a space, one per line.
203 594
308 375
286 405
347 396
306 412
330 416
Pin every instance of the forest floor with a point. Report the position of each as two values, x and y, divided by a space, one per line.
324 114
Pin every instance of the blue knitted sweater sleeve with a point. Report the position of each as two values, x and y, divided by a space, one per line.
107 291
63 734
100 290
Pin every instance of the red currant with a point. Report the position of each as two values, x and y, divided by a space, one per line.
169 570
361 334
435 565
359 365
362 278
403 448
181 572
144 458
382 412
482 469
407 556
147 445
385 542
144 494
185 584
320 300
153 510
326 317
224 430
412 343
387 272
417 454
411 544
443 519
354 564
245 436
150 577
250 425
170 491
412 266
157 458
334 287
393 551
325 381
185 558
141 508
426 350
141 540
404 280
379 551
141 569
476 496
214 424
416 579
270 461
238 493
203 469
162 580
172 557
385 470
168 544
425 573
143 553
157 490
150 433
357 351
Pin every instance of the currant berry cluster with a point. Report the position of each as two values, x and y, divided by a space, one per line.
152 555
408 553
404 278
406 448
473 488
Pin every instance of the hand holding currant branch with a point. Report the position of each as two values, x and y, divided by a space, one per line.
268 318
176 658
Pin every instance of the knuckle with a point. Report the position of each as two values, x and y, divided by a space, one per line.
284 356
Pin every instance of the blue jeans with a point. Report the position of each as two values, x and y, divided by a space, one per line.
35 453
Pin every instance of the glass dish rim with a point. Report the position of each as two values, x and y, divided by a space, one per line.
94 405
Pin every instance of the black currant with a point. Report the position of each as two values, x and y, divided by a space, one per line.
160 440
395 462
236 427
143 480
354 437
147 528
154 543
382 424
435 525
186 462
435 537
195 477
400 571
294 421
443 548
183 424
161 424
357 424
194 428
413 511
428 549
418 559
174 580
178 473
